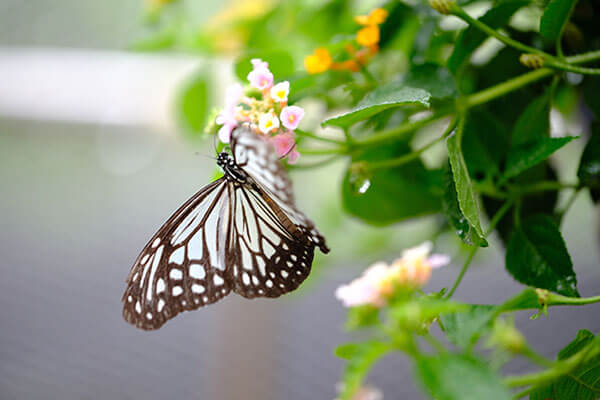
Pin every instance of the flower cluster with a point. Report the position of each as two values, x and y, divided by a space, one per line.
367 37
270 115
380 281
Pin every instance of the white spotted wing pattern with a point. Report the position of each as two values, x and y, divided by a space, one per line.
242 232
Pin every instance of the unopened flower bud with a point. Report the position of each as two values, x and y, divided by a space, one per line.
534 61
442 6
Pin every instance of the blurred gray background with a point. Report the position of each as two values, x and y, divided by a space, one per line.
91 164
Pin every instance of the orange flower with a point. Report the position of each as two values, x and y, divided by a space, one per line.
375 17
368 36
318 62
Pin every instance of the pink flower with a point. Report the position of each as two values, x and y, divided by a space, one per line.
291 116
379 281
285 144
365 289
233 94
260 77
227 117
258 63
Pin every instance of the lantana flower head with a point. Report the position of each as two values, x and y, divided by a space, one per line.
267 114
379 281
368 37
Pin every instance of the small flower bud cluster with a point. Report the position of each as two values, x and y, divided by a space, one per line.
269 115
368 37
534 61
380 281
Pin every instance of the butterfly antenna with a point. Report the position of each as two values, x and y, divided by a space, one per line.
205 155
215 144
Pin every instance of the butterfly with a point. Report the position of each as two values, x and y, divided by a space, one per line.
240 233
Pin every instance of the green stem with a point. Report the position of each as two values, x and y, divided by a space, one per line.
435 344
460 13
569 202
368 75
549 60
543 186
524 393
315 164
571 68
508 86
396 162
317 137
494 221
463 270
320 152
560 368
559 300
401 130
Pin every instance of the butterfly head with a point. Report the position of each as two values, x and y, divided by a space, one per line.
230 168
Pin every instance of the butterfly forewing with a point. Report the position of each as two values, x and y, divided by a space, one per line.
183 266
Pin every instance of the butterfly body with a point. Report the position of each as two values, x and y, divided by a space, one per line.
240 233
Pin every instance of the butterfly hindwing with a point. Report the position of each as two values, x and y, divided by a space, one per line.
259 160
266 259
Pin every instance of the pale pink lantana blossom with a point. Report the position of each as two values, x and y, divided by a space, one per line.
280 92
227 117
268 122
379 281
285 144
363 393
291 116
260 77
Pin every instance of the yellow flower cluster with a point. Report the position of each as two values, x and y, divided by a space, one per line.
368 37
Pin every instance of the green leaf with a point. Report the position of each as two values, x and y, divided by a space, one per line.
361 357
555 18
433 78
583 338
589 165
392 194
362 317
393 94
464 188
582 383
484 144
526 155
531 204
455 217
460 377
192 104
471 38
281 64
461 328
537 256
533 123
